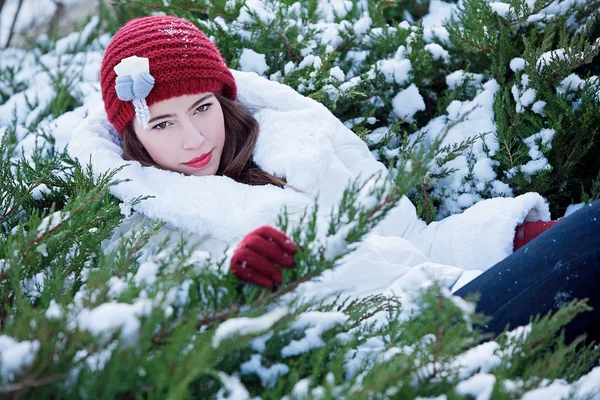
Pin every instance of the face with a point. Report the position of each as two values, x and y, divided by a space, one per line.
185 134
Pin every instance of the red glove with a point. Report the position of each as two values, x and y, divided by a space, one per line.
259 254
528 231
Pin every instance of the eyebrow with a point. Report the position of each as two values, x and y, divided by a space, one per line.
196 104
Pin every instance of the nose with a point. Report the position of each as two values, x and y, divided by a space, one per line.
192 138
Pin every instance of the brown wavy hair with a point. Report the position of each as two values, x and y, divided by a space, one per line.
241 133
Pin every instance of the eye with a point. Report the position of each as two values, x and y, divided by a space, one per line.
161 125
203 108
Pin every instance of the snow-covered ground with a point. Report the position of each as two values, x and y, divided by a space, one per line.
35 15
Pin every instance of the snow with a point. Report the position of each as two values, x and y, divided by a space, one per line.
468 118
479 386
198 257
54 310
481 358
97 360
39 190
396 69
548 57
107 318
126 208
528 97
350 84
483 169
259 344
545 136
75 40
146 273
438 52
42 249
377 135
15 356
233 388
362 25
247 326
517 64
33 13
329 34
466 200
316 323
466 307
289 67
408 102
560 7
571 83
264 11
536 18
310 60
4 266
34 287
502 9
518 334
523 97
570 209
301 388
459 77
538 161
268 375
181 293
588 386
439 12
52 221
336 244
329 10
357 56
337 73
116 286
538 107
404 25
252 61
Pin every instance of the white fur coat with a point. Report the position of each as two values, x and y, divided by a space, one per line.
302 141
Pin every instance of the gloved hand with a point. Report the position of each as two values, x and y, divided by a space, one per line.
259 254
528 231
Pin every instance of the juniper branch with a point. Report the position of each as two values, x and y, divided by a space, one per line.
533 11
58 226
175 7
31 383
14 206
265 299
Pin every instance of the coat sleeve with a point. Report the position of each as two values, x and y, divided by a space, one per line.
475 240
166 234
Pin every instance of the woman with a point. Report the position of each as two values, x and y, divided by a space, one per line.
222 172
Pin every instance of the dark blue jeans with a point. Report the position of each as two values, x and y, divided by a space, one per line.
560 265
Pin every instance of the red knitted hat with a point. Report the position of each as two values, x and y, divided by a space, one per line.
182 61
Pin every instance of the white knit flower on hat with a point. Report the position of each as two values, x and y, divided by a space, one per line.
133 66
134 83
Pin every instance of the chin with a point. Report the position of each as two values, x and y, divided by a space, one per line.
204 172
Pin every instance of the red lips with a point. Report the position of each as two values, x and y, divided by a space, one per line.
201 161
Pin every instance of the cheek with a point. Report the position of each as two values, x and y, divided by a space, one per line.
159 150
219 129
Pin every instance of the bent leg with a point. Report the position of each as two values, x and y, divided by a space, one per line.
558 266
